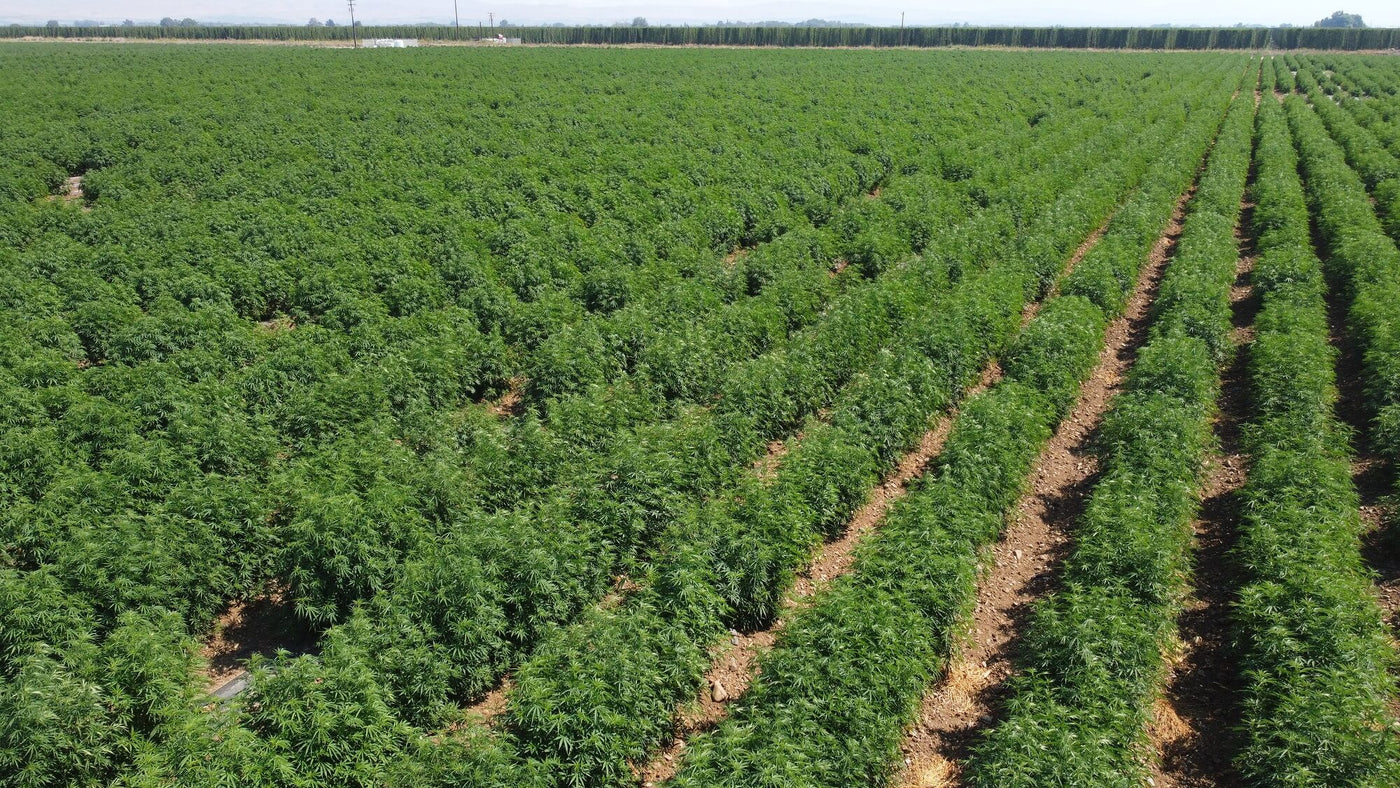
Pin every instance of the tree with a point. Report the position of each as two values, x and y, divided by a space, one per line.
314 22
330 23
128 23
51 24
1340 19
639 21
167 22
187 22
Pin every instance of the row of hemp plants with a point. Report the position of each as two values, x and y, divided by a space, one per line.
1090 666
831 702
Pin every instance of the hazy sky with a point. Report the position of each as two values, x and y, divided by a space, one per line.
1377 13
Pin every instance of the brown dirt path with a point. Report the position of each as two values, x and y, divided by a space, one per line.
487 710
1193 723
1021 567
734 665
1380 547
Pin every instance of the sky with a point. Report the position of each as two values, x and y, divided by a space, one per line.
1103 13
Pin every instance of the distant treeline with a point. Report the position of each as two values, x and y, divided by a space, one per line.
1057 37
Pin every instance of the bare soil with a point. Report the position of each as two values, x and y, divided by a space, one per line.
1194 721
1380 548
511 403
1021 567
279 323
766 467
490 707
72 193
262 625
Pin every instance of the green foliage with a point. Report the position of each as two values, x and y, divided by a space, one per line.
832 700
1350 35
1091 665
1313 647
1340 19
327 715
56 727
287 346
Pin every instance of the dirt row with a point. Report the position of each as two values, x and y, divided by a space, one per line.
734 664
1022 567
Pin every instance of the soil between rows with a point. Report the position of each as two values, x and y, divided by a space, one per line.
1023 564
735 663
260 626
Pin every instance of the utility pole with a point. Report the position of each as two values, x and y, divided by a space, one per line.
354 33
901 28
492 16
456 22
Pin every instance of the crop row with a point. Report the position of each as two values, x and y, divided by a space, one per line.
252 359
831 701
1378 168
243 489
168 299
618 711
745 557
651 488
731 566
1366 92
613 468
1313 650
306 497
1363 264
1091 663
610 525
1372 116
816 451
